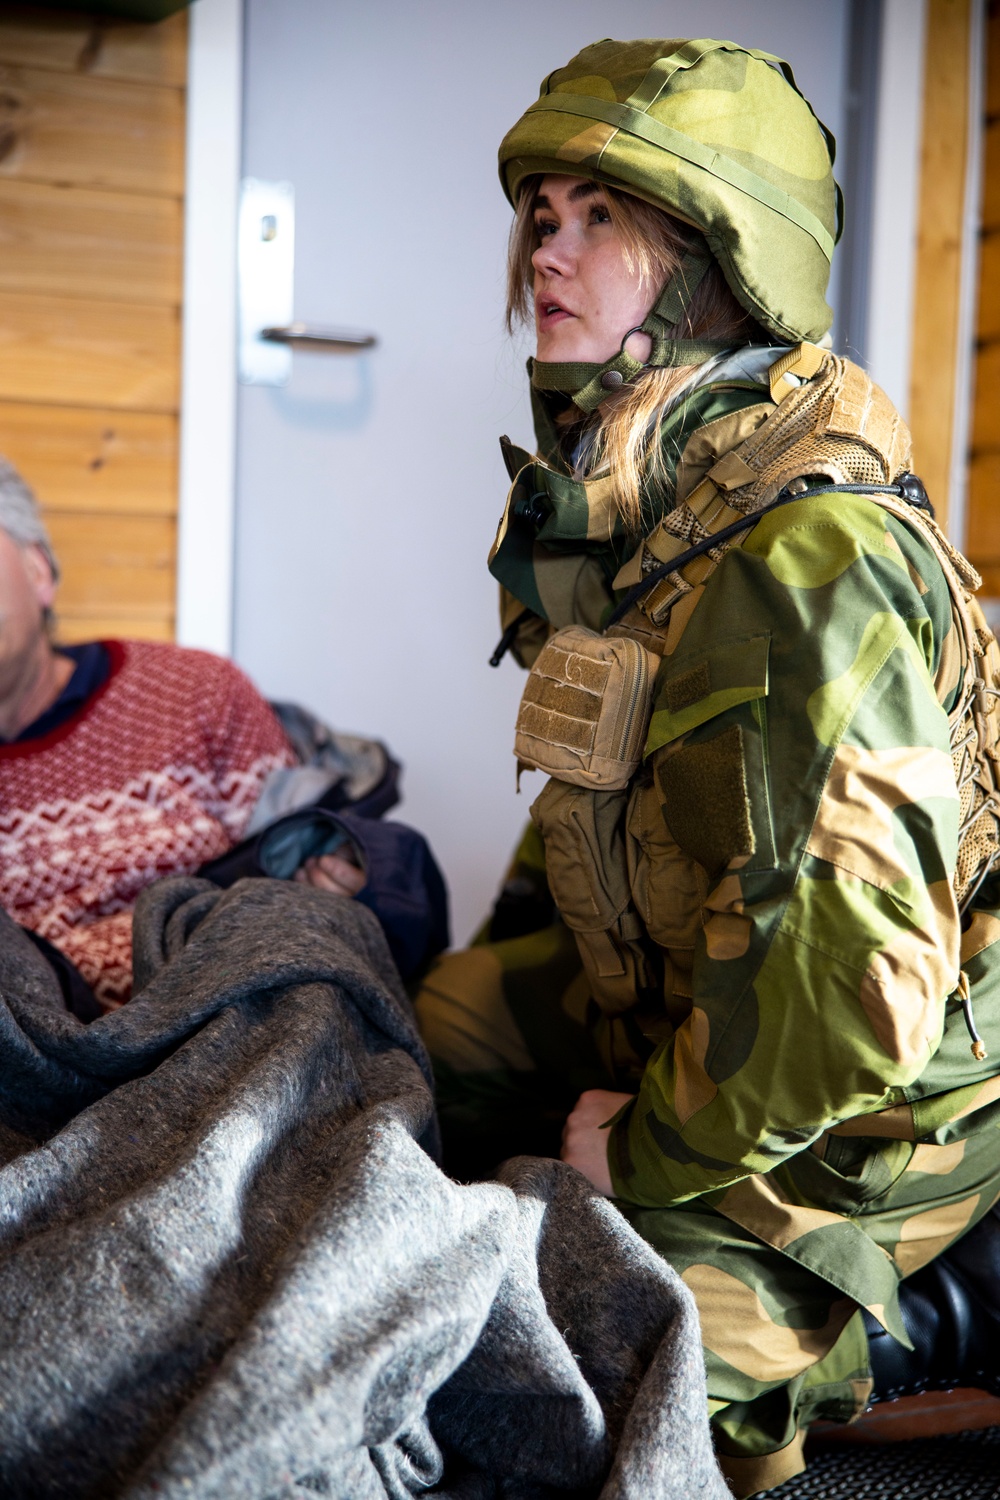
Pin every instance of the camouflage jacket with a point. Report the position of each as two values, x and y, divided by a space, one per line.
790 844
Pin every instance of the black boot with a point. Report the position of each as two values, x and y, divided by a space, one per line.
951 1310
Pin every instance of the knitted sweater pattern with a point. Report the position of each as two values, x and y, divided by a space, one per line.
158 772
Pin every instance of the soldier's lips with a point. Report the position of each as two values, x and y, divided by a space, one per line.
548 313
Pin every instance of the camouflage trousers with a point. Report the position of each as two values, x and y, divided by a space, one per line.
515 1039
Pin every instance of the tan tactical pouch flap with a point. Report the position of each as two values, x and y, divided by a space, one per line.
585 709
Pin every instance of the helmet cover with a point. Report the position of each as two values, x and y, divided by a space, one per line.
717 136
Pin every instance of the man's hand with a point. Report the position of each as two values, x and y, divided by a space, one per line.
331 872
584 1143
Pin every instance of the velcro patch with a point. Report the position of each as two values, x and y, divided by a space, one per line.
706 803
682 691
576 703
550 727
574 667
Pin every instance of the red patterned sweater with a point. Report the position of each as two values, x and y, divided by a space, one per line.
158 771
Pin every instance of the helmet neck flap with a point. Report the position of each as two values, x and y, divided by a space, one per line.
590 384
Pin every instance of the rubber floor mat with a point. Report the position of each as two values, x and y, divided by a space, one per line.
963 1467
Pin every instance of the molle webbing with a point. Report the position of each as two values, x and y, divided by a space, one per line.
974 722
585 709
837 425
841 427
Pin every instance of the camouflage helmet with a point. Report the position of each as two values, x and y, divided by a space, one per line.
719 137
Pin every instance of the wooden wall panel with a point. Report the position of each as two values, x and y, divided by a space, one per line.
986 405
75 626
984 512
79 352
91 132
120 563
68 42
990 574
121 581
92 118
94 460
76 242
989 289
944 146
991 184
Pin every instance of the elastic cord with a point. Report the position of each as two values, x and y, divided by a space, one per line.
907 488
913 496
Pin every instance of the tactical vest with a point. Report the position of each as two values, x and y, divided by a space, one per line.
634 899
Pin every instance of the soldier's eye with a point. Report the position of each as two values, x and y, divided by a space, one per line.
600 214
545 227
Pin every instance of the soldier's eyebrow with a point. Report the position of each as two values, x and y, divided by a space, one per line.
582 190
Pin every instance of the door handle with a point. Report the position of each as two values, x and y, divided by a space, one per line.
315 336
268 331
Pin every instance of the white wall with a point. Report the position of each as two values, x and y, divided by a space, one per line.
369 490
896 196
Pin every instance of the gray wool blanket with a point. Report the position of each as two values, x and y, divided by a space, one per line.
229 1266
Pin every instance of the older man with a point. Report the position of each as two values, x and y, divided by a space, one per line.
120 761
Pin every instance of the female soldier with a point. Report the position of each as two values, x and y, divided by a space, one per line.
766 705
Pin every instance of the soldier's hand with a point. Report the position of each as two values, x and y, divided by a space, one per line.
584 1143
331 872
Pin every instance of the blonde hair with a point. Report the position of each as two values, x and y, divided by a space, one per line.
623 436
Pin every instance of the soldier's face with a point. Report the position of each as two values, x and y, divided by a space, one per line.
26 589
586 295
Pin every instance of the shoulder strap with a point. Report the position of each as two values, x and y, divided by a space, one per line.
830 421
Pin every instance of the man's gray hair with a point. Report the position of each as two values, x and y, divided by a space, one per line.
20 515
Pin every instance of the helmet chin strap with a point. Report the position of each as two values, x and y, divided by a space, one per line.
590 384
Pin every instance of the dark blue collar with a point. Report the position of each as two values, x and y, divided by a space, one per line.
92 669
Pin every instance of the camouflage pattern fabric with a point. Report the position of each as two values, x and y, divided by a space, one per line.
561 541
719 135
821 1095
809 1124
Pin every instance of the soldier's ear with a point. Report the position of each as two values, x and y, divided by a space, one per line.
39 571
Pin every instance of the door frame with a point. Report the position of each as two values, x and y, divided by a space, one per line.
207 498
207 501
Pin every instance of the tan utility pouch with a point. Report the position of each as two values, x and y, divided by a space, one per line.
585 709
584 834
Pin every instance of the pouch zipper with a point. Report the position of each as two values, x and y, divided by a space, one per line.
637 694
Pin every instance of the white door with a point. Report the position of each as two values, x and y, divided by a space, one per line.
370 486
